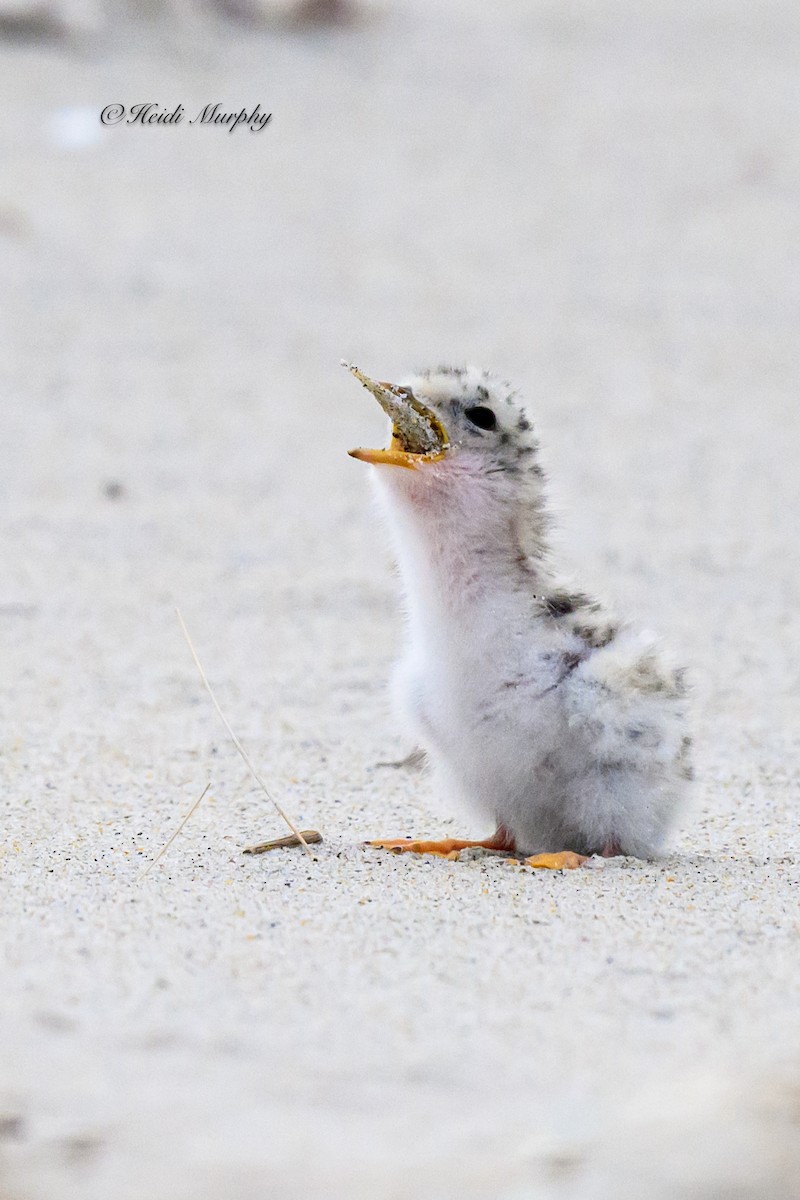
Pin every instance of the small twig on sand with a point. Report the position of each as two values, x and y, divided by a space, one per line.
301 840
171 839
309 836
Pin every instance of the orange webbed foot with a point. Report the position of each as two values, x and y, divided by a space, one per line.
564 860
446 847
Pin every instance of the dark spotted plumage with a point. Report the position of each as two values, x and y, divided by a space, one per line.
582 616
558 604
596 634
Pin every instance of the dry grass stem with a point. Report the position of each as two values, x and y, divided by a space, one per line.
171 839
246 758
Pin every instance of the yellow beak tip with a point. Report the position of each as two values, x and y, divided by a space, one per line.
390 457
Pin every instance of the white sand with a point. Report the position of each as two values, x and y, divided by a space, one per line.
601 204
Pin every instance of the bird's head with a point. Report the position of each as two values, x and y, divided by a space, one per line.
454 423
461 473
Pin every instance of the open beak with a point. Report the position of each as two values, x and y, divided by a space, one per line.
418 435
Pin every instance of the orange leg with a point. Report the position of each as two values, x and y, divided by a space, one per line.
501 840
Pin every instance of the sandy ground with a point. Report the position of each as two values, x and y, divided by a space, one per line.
601 204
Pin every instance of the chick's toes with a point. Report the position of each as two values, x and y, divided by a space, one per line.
564 860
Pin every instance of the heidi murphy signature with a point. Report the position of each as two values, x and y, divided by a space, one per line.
212 114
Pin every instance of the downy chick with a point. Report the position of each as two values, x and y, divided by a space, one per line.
546 715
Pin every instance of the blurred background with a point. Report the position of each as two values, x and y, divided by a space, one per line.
597 199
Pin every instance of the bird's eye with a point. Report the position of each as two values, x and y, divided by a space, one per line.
484 418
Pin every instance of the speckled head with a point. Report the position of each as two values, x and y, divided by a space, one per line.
452 420
471 501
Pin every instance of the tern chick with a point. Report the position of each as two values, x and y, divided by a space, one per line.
544 713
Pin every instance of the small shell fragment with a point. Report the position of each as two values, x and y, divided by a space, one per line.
415 426
310 835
